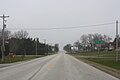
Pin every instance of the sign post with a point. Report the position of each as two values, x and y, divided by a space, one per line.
99 43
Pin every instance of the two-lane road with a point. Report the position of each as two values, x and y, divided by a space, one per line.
55 67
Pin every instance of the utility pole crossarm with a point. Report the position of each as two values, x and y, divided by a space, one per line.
4 16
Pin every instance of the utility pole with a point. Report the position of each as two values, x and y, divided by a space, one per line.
36 46
3 40
117 42
46 47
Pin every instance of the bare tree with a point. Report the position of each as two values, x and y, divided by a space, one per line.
67 47
89 41
106 38
20 34
7 35
84 41
78 44
97 36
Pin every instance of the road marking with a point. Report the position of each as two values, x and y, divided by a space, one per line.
50 66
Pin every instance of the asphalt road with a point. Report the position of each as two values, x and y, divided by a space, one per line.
54 67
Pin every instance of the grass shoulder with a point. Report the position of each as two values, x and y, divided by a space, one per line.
18 58
105 61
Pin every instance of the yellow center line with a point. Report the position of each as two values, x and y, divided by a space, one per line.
50 66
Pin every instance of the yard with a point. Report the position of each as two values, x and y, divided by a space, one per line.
18 58
106 58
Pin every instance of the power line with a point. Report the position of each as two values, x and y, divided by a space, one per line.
57 28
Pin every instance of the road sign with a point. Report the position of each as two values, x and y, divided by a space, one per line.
99 42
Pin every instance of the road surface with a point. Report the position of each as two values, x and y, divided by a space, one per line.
55 67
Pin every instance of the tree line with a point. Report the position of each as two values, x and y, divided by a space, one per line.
20 43
89 42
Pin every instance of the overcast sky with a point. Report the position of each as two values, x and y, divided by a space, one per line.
61 13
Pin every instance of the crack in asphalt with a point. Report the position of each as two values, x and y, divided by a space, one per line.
41 67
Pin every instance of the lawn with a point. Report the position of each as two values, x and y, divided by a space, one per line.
18 58
106 58
107 62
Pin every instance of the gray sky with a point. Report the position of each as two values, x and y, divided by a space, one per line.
61 13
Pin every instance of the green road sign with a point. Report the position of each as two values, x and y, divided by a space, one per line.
99 42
